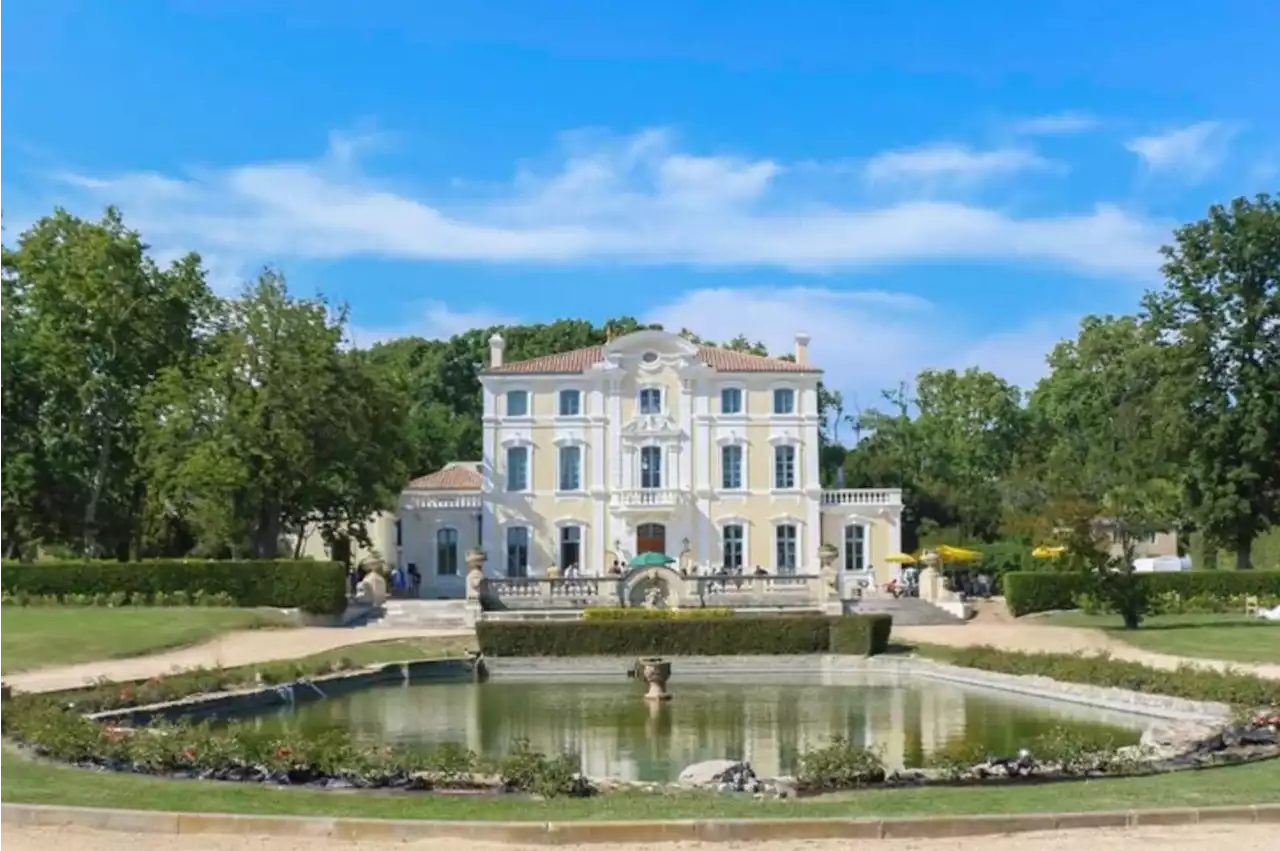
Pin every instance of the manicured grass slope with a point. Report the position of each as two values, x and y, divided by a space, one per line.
40 637
1233 638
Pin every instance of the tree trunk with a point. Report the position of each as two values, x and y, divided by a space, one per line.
297 544
91 510
1244 553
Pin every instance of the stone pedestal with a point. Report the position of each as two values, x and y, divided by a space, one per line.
656 673
475 574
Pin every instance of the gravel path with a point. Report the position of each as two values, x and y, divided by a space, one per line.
1029 637
1196 838
244 647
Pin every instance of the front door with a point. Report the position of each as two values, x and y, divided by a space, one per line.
651 538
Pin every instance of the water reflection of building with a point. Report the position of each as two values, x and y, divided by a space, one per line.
618 734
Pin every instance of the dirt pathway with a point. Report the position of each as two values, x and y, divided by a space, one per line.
245 647
1029 637
1197 838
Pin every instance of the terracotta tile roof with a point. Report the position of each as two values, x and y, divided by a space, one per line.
579 360
454 476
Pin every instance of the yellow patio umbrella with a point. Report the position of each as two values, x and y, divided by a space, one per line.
900 558
948 553
1047 552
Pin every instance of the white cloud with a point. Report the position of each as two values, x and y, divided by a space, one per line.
952 162
866 342
1193 151
1057 124
631 200
435 321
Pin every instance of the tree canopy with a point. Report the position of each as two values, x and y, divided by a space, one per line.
144 415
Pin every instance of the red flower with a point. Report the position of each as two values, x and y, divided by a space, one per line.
281 752
188 754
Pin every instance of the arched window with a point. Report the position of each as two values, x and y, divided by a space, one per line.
733 546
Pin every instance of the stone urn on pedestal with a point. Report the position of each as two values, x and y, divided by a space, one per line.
656 672
475 573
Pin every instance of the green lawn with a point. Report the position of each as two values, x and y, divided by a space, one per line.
29 782
1234 638
39 637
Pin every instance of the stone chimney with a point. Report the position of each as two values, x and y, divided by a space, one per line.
802 348
496 345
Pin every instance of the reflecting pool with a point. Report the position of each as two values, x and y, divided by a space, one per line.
769 724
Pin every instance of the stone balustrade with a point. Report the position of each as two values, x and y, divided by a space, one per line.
863 496
539 592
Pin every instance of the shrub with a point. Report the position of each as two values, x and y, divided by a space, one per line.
840 765
615 613
318 587
1189 682
1027 593
705 636
860 635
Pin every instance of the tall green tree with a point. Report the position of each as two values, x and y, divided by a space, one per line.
1219 311
276 429
1105 434
90 321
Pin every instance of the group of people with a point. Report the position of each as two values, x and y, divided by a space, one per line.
401 582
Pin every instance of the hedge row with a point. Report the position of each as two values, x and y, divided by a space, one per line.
314 586
1027 593
1191 683
783 635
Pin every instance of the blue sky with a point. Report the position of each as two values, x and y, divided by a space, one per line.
927 184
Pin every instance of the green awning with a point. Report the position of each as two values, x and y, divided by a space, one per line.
651 560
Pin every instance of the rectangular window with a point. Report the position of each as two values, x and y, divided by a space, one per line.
447 552
570 403
517 403
784 401
731 400
518 468
731 468
784 467
733 546
651 467
570 468
651 400
399 534
570 547
786 550
518 551
855 547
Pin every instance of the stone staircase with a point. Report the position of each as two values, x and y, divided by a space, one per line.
906 611
420 614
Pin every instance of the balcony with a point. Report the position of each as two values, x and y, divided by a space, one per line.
648 498
887 497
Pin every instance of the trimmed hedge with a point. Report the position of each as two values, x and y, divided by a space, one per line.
782 635
319 587
1028 593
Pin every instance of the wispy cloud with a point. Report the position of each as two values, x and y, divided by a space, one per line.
1194 151
636 199
434 320
947 162
1056 124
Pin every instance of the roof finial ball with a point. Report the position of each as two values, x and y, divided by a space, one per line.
496 345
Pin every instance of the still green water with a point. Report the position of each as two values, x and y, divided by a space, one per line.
769 724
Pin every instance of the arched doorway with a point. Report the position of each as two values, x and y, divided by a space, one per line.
651 538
